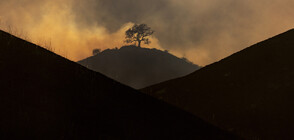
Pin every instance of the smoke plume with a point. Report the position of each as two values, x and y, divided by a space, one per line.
204 31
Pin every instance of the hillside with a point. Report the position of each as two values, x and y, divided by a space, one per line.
44 96
139 67
249 93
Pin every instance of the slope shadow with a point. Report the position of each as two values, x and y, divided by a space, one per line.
44 96
249 93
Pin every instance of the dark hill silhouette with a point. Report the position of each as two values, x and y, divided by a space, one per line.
139 67
250 93
44 96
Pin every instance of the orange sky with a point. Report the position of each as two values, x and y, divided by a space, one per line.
221 31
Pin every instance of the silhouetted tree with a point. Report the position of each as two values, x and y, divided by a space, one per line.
139 33
185 59
96 51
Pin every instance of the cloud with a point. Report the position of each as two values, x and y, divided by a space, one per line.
54 23
202 30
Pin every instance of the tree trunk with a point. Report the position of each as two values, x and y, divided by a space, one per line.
139 43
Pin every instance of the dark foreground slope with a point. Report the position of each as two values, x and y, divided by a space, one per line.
250 93
44 96
139 67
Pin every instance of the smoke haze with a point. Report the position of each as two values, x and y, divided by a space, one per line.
204 31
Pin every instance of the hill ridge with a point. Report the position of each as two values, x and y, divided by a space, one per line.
139 67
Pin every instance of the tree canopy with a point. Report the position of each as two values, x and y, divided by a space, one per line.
139 33
96 51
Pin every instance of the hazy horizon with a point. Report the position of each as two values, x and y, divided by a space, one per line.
204 31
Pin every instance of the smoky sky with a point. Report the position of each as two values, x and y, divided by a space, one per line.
173 24
204 31
177 22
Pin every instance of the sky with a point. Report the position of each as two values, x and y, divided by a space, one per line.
204 31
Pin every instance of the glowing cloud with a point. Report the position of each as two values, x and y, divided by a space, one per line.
204 31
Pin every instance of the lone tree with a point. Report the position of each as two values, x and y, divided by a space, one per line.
96 51
139 33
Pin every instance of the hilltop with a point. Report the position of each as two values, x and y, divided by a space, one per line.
139 67
249 93
45 96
